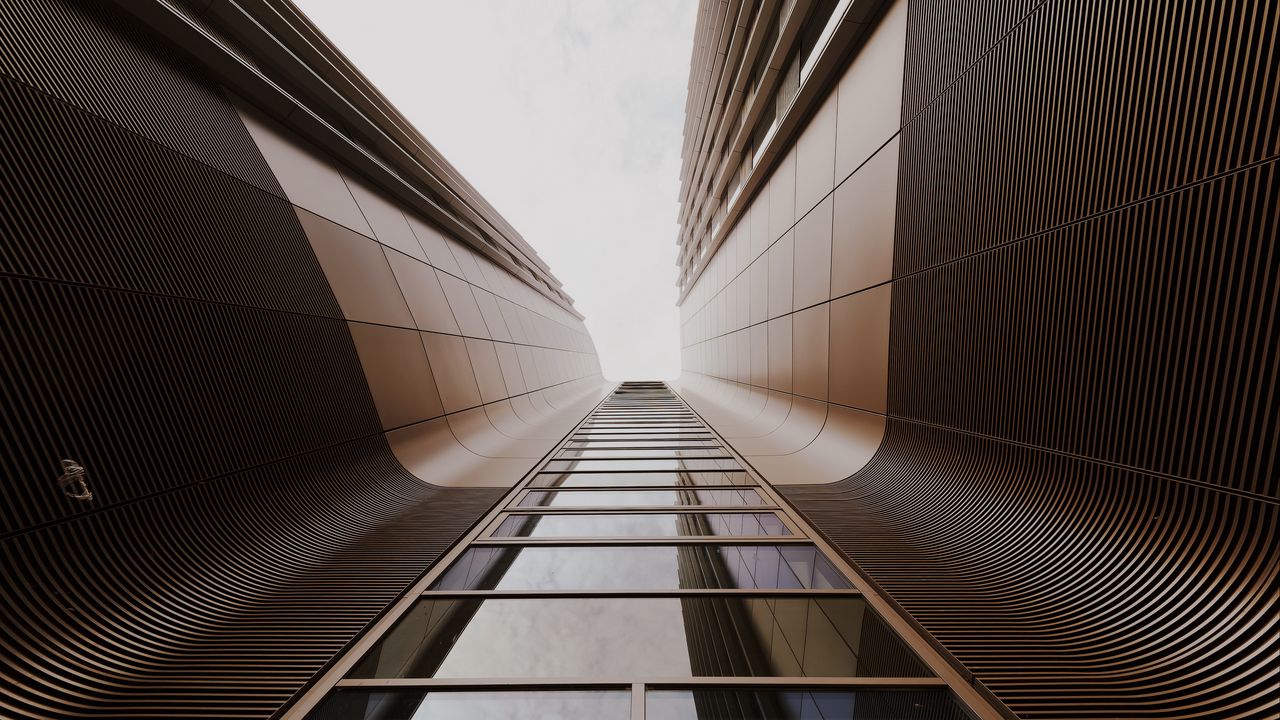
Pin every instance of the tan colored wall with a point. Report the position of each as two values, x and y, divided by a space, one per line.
785 336
474 374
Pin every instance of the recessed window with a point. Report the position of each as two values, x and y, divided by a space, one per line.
572 480
639 637
486 705
799 704
641 498
643 525
670 567
672 465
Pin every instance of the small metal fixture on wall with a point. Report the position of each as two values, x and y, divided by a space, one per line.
73 483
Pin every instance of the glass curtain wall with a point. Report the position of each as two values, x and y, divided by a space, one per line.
642 572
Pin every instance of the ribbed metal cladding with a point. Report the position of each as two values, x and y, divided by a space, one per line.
1078 491
221 599
1071 589
167 326
1138 337
85 55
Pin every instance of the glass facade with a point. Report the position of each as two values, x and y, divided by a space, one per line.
641 572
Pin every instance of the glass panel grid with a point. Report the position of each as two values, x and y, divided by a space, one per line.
570 587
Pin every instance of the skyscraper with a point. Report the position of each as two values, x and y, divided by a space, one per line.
985 289
977 419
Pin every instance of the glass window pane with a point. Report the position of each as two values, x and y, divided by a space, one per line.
570 480
645 465
643 442
700 636
633 435
641 498
473 705
689 567
643 525
607 453
801 704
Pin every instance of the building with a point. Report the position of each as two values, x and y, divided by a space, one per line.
286 352
978 416
981 288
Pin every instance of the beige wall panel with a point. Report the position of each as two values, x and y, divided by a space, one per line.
306 175
781 260
862 234
810 329
488 304
860 349
758 217
465 310
511 314
758 277
870 93
431 452
782 196
780 353
509 363
452 367
476 433
812 257
742 301
760 355
533 378
848 440
399 376
421 290
484 360
815 157
386 219
358 272
802 424
467 261
432 242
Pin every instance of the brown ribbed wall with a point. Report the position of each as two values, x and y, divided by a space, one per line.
167 325
1077 493
220 599
1071 589
82 53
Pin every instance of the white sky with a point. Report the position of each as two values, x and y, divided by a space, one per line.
566 115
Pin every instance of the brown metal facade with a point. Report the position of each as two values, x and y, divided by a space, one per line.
286 403
1022 340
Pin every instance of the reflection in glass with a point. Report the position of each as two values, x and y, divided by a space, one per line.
648 465
624 452
470 705
635 435
689 567
641 498
643 525
801 704
570 480
645 442
701 636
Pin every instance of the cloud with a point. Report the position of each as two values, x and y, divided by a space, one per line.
567 116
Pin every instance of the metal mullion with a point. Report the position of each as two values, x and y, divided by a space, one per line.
650 683
748 483
645 488
361 644
466 684
631 471
640 509
947 669
658 541
656 457
638 593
